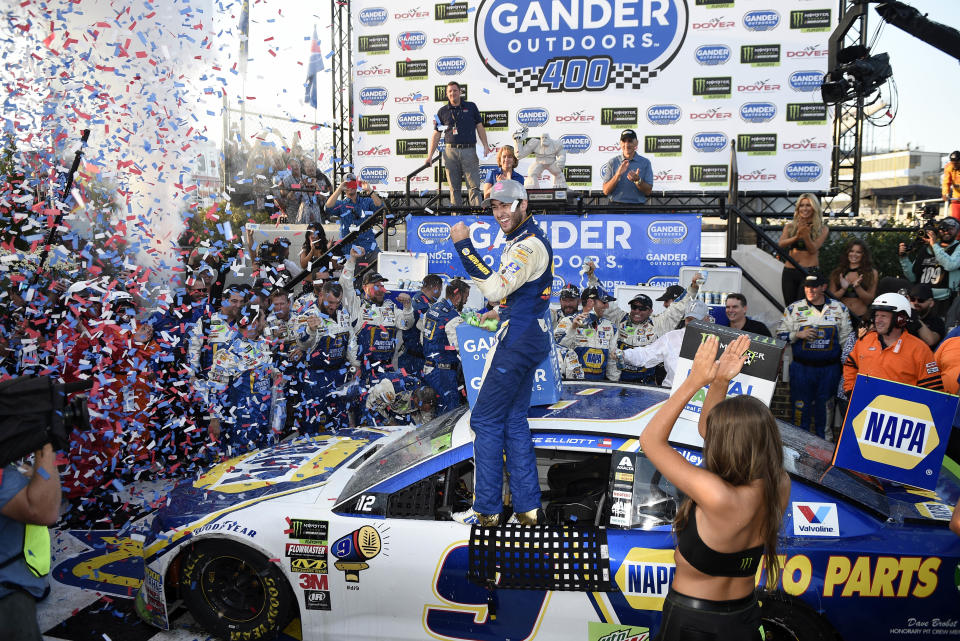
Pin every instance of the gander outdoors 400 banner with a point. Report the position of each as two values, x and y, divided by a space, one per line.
689 76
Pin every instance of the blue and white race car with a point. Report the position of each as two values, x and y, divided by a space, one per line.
352 535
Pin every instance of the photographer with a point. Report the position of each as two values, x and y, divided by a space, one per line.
273 260
28 503
353 202
314 246
937 261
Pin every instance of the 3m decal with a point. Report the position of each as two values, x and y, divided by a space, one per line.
314 581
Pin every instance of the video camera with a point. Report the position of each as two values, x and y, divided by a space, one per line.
927 223
275 252
35 411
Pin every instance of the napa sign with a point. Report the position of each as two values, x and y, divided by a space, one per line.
895 431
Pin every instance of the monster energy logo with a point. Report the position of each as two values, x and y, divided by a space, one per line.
760 54
618 116
440 92
412 68
308 529
712 86
450 12
371 44
810 19
376 123
412 147
745 563
704 174
663 145
757 143
494 120
806 112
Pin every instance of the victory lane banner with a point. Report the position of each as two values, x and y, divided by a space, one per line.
476 343
757 378
628 249
896 432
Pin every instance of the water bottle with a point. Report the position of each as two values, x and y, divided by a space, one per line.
278 410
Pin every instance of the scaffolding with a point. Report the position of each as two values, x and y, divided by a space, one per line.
342 90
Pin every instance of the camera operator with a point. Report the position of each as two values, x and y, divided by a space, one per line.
937 261
273 261
28 503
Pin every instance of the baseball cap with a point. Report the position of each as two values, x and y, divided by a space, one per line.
597 293
643 299
570 291
698 309
628 134
350 181
814 280
921 291
673 291
372 277
506 191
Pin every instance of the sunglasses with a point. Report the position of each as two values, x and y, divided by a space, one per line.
642 308
918 300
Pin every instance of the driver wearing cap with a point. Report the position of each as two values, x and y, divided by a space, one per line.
628 177
592 338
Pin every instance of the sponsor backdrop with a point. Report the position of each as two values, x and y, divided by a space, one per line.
627 249
689 76
890 431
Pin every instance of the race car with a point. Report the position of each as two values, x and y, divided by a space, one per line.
352 534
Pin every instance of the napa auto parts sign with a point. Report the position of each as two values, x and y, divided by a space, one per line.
584 70
626 248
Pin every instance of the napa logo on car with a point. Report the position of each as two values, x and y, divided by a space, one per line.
533 116
761 20
803 171
373 96
815 519
805 80
757 112
410 40
375 175
450 65
664 114
667 231
711 141
896 432
712 54
373 16
411 120
645 576
575 143
542 42
431 232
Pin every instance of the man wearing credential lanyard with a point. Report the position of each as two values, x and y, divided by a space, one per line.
499 419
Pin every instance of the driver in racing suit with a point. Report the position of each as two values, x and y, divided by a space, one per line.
499 419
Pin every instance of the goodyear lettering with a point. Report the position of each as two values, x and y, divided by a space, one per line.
226 526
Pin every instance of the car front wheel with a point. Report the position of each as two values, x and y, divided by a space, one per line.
233 591
788 619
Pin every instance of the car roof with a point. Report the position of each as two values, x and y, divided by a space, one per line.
609 409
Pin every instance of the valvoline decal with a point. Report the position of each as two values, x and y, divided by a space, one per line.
803 171
543 39
533 116
373 16
575 143
672 231
712 54
433 232
710 141
806 80
411 40
450 65
373 95
411 120
375 175
761 20
664 114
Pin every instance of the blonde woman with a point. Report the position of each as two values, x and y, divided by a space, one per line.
506 169
802 238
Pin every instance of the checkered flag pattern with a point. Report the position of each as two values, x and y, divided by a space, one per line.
540 557
621 77
522 79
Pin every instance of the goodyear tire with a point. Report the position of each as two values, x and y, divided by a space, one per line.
788 619
234 592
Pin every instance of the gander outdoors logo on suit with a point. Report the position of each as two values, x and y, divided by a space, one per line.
815 519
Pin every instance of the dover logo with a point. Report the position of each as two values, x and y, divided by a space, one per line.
450 65
575 143
806 80
410 40
762 20
373 95
710 141
578 49
803 171
895 432
375 175
373 16
667 231
758 111
431 233
411 121
664 114
815 519
533 117
712 54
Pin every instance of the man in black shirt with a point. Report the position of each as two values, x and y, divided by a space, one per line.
737 315
924 323
461 123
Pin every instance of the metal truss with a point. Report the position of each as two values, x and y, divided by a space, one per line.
848 116
342 89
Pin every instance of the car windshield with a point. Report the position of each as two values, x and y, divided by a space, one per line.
413 447
809 457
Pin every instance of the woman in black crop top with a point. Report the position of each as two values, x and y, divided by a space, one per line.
735 503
